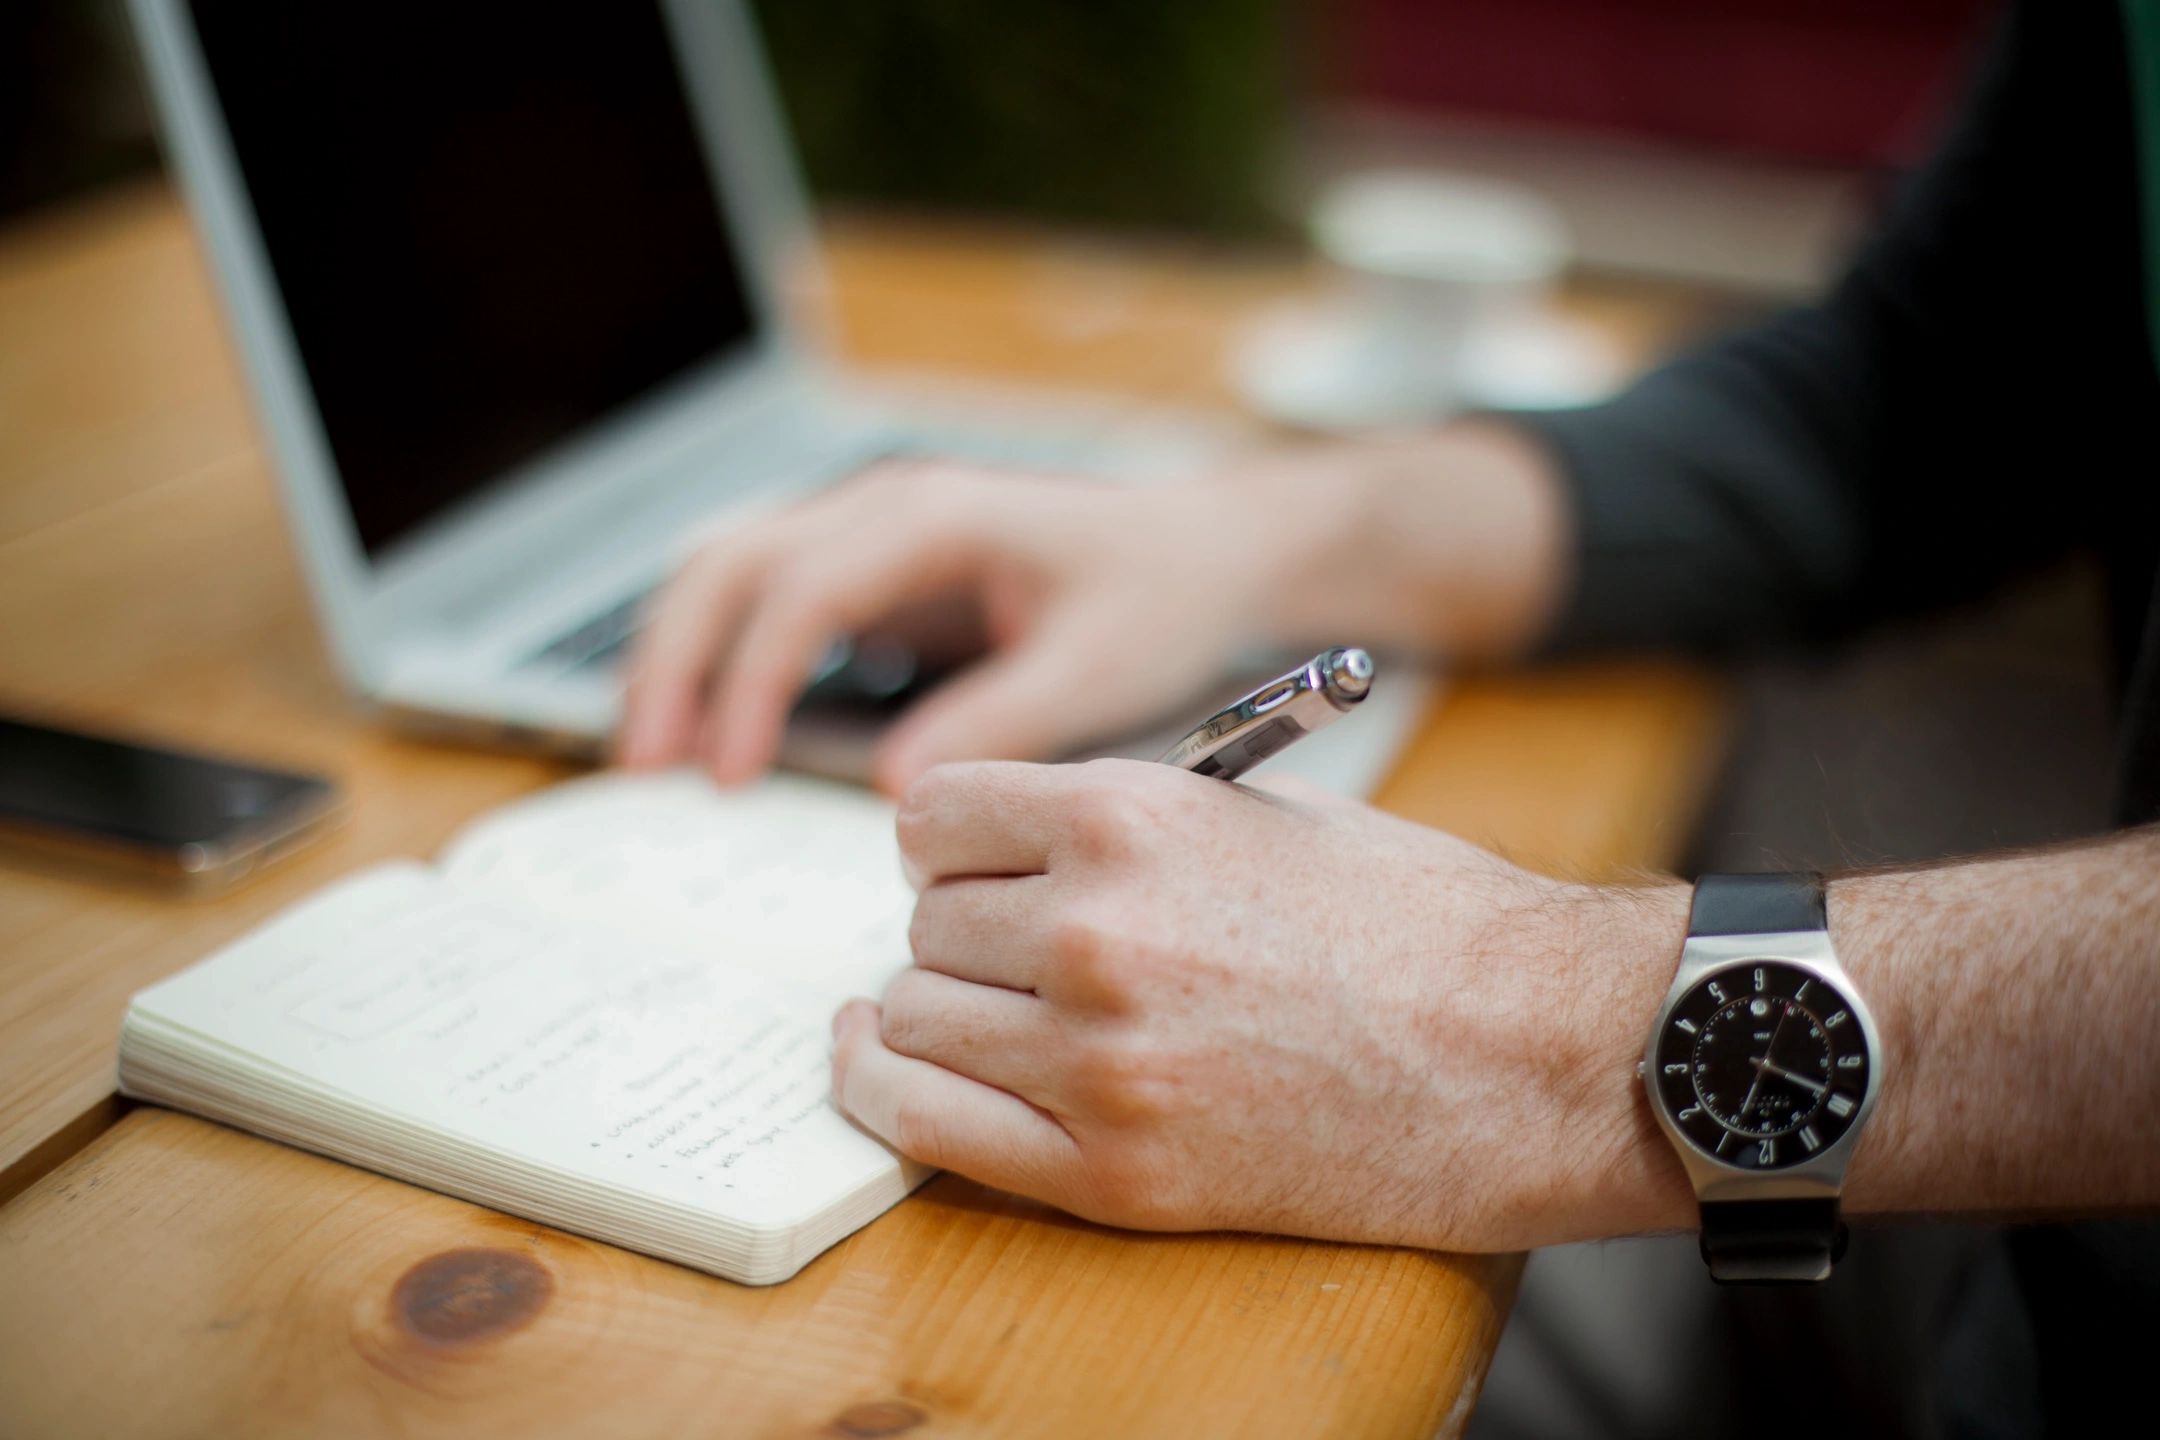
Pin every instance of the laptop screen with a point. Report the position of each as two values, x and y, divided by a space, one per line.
491 225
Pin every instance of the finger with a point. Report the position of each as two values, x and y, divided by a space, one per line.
687 625
836 591
941 1118
985 817
986 930
1036 701
1000 1037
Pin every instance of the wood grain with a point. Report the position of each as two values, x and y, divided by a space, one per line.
177 1278
181 1279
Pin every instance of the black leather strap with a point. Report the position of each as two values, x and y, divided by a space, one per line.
1758 905
1771 1242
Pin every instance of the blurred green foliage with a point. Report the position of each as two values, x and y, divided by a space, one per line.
1150 112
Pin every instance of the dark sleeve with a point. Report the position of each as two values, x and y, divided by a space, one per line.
1955 411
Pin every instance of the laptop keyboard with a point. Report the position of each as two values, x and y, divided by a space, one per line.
597 643
849 674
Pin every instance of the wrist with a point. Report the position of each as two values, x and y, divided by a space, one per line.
1455 542
1611 1171
1868 915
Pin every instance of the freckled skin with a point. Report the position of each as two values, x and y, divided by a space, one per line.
1356 1039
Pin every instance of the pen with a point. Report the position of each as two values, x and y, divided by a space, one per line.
1246 732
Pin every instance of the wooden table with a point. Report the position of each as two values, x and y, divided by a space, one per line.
162 1275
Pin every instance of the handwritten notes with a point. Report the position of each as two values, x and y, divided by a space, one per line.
694 1079
798 877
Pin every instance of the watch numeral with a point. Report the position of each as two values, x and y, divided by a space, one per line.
1717 992
1841 1105
1687 1025
1690 1112
1766 1152
1759 981
1797 994
1676 1067
1851 1062
1809 1138
1835 1020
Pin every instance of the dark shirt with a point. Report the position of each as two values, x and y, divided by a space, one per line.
1977 397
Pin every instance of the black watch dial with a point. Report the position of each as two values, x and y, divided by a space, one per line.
1762 1065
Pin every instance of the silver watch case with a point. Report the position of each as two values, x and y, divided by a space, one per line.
1819 1176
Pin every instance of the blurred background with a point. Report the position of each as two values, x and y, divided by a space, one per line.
1730 150
1683 137
1727 152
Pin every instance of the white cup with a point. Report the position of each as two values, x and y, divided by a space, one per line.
1434 257
1429 262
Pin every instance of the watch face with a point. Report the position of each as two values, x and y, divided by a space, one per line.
1762 1065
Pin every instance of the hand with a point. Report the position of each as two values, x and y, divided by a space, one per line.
1103 606
1162 1001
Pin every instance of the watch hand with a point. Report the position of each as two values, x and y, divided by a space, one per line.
1817 1086
1741 1113
1758 1063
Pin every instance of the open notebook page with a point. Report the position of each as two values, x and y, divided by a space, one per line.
684 1079
796 876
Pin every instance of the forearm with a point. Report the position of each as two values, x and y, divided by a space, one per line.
2020 1004
2018 1000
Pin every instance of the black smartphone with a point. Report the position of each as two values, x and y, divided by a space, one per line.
167 813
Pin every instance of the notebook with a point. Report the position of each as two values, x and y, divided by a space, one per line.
606 1008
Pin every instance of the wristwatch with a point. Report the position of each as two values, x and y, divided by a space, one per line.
1762 1069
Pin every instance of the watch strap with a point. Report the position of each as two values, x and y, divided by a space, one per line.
1779 904
1769 1241
1772 1242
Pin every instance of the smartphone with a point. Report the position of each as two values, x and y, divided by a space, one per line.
165 813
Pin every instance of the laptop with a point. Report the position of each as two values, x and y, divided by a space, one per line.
507 281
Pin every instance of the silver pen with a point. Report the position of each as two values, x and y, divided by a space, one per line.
1246 732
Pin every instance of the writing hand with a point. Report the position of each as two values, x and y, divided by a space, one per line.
1163 1001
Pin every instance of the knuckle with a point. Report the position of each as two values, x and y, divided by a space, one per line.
916 820
703 571
936 796
912 819
1090 953
1116 772
798 586
921 932
1108 823
903 1008
1120 1081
